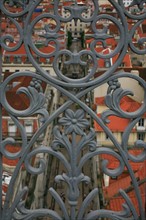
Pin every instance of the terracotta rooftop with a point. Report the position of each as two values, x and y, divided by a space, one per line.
112 191
116 123
115 204
114 163
11 149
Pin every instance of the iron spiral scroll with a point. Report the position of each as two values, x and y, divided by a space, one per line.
73 131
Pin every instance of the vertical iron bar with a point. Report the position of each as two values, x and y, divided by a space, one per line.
73 141
0 46
1 165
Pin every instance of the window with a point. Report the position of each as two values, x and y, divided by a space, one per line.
122 64
141 136
6 178
12 128
74 75
47 60
28 127
7 59
27 60
107 63
114 177
107 137
141 122
17 59
38 59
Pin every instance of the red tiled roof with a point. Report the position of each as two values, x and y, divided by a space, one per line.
142 171
67 3
19 101
142 35
111 192
100 100
21 51
106 5
122 183
114 163
81 1
112 43
4 187
3 25
129 105
11 149
116 123
114 187
116 202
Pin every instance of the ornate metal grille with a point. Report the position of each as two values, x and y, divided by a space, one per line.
74 75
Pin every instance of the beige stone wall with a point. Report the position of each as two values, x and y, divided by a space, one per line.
126 83
16 67
102 139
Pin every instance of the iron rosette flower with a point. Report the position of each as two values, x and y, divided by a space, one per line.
74 122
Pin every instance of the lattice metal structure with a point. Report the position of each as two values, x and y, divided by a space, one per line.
74 75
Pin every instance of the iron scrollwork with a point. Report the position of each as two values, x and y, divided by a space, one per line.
73 133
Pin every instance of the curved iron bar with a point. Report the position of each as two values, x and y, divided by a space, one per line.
132 16
122 153
72 84
105 128
140 41
10 140
10 38
37 108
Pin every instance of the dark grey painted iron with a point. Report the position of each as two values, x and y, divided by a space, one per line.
74 123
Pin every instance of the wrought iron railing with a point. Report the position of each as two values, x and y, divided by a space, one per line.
74 74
